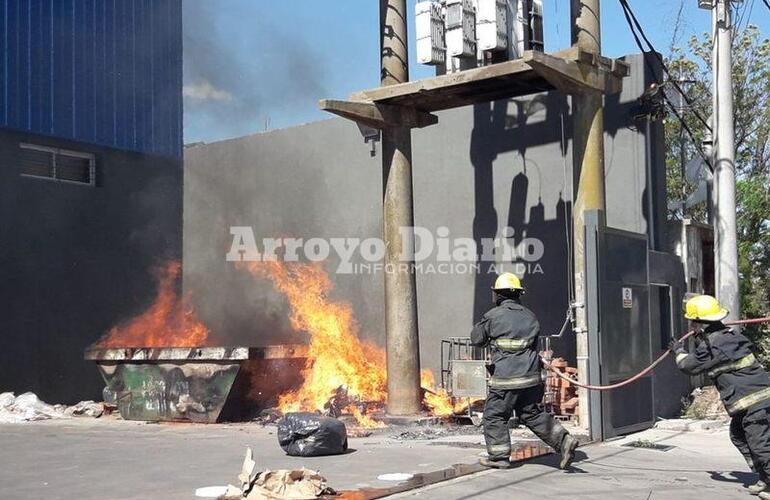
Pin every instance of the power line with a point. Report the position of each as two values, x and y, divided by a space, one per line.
632 19
767 4
739 14
628 15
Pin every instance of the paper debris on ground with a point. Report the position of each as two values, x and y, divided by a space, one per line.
298 484
25 408
248 471
86 408
28 407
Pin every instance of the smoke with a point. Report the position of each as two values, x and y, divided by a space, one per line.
237 71
204 91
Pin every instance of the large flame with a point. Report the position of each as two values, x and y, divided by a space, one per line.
169 322
337 357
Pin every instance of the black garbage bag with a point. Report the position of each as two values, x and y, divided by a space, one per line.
312 435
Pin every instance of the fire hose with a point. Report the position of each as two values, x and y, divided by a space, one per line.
646 370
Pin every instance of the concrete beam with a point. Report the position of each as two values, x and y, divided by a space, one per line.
579 72
379 116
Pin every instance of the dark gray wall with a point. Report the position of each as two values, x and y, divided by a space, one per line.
75 260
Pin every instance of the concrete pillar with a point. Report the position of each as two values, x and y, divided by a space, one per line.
725 223
402 340
588 160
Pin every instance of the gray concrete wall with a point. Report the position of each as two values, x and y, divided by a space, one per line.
315 180
479 170
75 260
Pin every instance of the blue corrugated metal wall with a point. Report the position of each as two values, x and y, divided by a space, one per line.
107 72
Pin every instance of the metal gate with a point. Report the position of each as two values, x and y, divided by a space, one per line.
617 298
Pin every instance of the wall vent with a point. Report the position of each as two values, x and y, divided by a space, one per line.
59 165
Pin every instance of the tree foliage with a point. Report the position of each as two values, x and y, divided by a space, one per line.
751 84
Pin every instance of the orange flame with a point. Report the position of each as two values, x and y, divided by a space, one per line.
436 399
169 322
336 356
365 420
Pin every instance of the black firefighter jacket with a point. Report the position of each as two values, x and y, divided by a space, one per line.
511 331
727 358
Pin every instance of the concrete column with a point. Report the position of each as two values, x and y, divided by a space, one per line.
588 163
725 223
402 340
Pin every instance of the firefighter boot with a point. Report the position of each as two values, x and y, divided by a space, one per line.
496 464
568 446
758 487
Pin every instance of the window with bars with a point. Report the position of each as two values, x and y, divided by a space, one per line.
59 165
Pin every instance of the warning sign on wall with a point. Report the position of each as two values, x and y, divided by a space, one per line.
628 298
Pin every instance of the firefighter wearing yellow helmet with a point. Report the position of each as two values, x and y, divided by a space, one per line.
511 331
727 357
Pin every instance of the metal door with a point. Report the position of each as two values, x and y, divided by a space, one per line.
617 263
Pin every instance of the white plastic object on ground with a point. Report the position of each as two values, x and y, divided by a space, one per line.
395 476
210 491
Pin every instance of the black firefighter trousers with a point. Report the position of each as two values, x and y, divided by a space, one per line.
750 433
527 404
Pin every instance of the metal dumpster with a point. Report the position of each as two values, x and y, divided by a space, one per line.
200 384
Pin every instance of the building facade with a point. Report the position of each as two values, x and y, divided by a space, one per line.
90 179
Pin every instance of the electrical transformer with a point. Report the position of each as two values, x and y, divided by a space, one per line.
492 24
460 34
429 27
460 28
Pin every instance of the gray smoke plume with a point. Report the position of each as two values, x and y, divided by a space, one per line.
233 88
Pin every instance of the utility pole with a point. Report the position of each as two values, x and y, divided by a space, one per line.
725 225
588 159
402 341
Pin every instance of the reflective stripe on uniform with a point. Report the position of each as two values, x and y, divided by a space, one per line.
744 362
514 382
747 402
680 357
512 344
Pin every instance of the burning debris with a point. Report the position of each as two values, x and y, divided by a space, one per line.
169 322
343 374
336 357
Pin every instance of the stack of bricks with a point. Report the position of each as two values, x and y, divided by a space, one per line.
565 400
524 451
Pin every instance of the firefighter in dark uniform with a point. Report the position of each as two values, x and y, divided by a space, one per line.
511 332
727 357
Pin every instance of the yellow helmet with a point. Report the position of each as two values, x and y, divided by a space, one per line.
704 308
508 281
